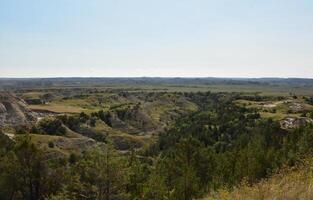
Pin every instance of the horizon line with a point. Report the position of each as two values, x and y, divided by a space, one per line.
165 77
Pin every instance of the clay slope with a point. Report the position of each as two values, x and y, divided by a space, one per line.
14 111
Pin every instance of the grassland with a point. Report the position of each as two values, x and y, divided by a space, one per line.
289 184
62 146
278 109
57 108
82 101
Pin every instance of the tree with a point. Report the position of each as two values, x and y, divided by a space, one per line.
24 173
83 117
137 175
105 116
52 126
92 121
180 170
100 174
155 187
188 182
5 144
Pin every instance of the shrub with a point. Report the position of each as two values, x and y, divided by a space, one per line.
73 158
51 144
83 117
21 130
92 121
52 126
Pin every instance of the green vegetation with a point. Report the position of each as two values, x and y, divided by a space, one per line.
50 126
156 141
218 146
223 146
25 174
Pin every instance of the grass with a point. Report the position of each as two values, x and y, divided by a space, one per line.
57 108
62 145
158 108
78 104
31 95
278 115
289 184
276 110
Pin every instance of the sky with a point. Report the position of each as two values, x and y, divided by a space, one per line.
164 38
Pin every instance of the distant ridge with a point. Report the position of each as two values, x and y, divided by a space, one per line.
11 83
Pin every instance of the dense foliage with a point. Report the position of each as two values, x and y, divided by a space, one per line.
50 126
220 145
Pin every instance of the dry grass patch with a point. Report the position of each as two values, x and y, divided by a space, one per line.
296 183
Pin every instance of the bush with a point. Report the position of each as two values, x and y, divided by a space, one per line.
51 144
71 122
92 121
105 117
21 130
73 158
309 100
83 117
52 126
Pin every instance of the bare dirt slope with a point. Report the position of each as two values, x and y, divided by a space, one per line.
14 111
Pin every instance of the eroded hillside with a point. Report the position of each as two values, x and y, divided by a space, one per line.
14 111
130 120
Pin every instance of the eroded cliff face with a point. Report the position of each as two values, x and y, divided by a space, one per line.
14 111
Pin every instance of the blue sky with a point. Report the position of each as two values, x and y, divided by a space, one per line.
222 38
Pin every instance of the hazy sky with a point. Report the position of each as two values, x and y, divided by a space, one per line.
234 38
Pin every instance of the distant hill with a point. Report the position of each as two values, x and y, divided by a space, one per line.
20 83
